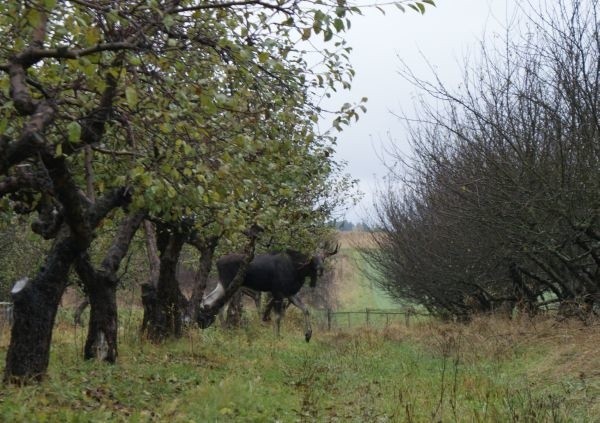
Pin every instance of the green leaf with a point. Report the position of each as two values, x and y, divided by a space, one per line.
49 4
338 24
33 17
92 35
168 21
131 96
263 56
306 32
74 132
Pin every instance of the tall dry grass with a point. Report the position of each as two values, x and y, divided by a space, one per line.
559 350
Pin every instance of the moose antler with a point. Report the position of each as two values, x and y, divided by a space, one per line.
331 253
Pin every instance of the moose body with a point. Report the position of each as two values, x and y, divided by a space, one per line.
281 273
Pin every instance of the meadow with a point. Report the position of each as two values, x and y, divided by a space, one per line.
490 370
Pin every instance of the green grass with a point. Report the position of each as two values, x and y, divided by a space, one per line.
248 375
488 371
357 291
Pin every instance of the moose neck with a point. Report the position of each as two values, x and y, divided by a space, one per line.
309 270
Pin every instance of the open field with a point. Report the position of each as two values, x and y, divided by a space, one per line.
353 289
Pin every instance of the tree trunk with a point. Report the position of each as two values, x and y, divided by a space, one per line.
234 311
152 251
207 316
166 318
36 301
101 287
35 304
101 342
207 251
79 311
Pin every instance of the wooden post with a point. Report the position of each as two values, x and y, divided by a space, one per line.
407 317
367 316
329 319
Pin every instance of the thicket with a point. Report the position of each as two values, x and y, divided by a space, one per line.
499 203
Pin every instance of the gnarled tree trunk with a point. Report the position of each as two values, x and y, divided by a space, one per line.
235 310
206 248
35 304
36 301
164 318
101 287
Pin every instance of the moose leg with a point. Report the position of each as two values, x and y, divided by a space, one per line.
279 309
267 313
79 311
307 327
266 316
257 302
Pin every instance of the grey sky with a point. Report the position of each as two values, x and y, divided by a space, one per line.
444 35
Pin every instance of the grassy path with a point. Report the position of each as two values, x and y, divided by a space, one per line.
427 373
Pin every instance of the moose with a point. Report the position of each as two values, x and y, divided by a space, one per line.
280 273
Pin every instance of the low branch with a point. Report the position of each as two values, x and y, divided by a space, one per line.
127 229
31 139
233 4
208 313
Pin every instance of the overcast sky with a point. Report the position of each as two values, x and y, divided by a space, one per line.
445 35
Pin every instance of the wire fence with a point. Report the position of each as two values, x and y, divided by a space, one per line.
325 319
328 319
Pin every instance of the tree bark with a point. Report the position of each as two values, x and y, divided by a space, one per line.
206 249
35 304
79 311
207 316
101 287
234 311
164 319
152 251
36 301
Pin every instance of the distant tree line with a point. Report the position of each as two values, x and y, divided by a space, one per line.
348 226
499 204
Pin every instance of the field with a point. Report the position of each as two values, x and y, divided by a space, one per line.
354 290
492 370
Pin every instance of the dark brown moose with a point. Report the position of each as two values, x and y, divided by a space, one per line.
280 273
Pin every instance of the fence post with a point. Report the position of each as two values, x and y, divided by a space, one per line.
329 319
407 317
367 311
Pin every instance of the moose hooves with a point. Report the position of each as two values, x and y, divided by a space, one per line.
307 336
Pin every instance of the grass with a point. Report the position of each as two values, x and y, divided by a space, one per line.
353 288
489 371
